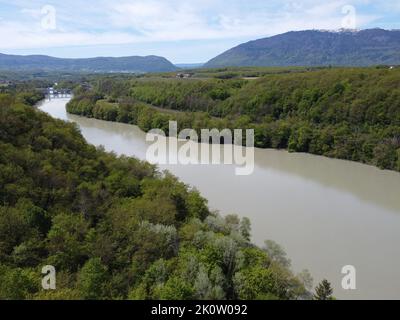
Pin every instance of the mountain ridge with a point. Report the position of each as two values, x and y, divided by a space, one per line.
139 64
316 48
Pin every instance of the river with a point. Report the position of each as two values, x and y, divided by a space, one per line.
326 213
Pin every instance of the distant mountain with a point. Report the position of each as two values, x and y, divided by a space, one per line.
189 65
101 64
316 48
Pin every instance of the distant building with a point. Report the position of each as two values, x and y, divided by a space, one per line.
184 75
86 86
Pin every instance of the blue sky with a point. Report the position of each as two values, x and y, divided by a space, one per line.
183 31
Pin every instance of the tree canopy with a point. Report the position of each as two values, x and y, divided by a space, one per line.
114 227
351 114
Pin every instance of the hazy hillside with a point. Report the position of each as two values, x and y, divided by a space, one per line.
189 65
315 48
100 64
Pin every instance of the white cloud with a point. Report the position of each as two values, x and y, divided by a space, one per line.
139 21
20 36
177 20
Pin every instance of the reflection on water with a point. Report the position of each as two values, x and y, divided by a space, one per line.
367 183
327 213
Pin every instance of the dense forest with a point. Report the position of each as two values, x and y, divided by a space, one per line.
115 227
345 113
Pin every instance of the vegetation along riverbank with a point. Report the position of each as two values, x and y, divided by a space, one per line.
344 113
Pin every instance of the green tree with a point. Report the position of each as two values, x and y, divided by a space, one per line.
324 291
66 241
277 253
17 283
176 289
245 228
91 279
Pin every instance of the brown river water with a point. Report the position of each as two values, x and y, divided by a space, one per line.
326 213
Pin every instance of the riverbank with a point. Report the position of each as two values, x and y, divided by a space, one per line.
107 224
349 114
149 117
326 213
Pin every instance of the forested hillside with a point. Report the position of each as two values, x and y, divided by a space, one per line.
316 48
351 114
100 64
114 227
